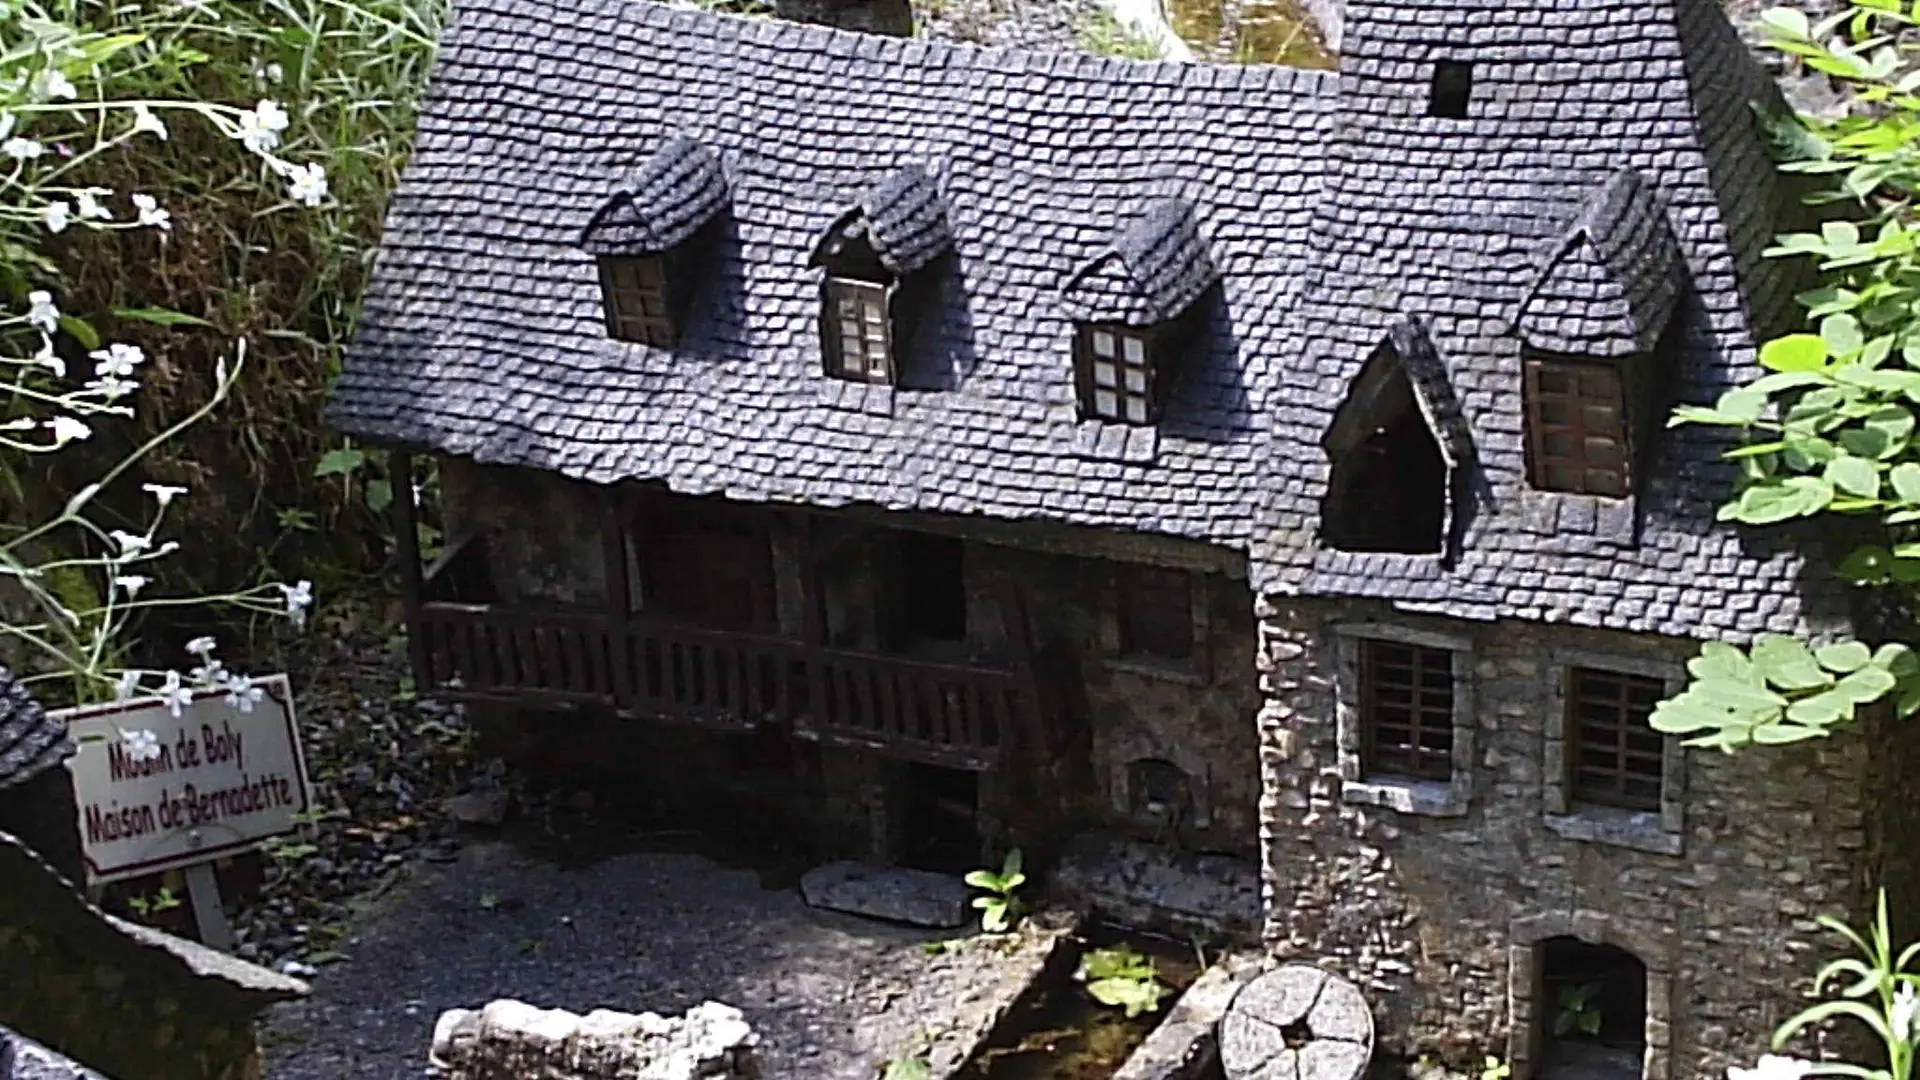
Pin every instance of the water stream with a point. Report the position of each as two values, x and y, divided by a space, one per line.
1249 32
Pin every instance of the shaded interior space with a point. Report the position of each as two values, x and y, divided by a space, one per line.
1387 490
930 603
942 819
1592 1008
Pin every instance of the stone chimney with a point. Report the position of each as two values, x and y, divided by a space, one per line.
891 17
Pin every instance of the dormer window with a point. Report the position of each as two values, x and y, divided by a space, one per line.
1591 327
649 241
1116 375
1136 306
881 258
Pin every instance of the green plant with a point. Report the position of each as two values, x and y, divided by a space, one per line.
1495 1069
1102 33
999 910
907 1068
1881 993
1578 1011
143 905
1122 978
1828 431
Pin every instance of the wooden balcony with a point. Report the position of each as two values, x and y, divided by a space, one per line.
946 714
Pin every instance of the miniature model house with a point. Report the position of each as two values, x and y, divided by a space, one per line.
1251 461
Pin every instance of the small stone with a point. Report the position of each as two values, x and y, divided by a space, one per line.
477 807
917 897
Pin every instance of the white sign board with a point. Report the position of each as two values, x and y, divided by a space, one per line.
222 780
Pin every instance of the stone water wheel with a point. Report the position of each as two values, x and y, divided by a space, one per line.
1297 1023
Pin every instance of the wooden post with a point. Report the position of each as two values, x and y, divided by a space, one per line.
1013 617
203 891
613 551
406 537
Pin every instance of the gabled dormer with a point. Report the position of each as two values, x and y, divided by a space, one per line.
649 239
1135 309
881 259
1590 329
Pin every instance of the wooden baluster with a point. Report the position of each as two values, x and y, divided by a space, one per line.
973 735
613 553
406 538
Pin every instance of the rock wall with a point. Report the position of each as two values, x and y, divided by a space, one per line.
1439 910
510 1040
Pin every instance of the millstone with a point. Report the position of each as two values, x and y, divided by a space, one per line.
1297 1023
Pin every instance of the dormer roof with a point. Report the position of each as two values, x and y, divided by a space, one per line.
660 204
1608 284
1149 271
30 741
902 219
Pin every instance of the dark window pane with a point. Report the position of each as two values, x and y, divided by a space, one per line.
1576 427
1406 709
1614 757
1117 377
1156 611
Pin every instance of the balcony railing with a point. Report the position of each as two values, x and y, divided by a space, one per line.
949 714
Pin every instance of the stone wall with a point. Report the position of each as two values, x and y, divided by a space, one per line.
1437 906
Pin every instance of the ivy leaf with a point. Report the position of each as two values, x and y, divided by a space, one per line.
1894 421
379 495
1780 734
1868 684
1744 405
341 461
1805 352
1786 662
1819 710
1854 475
1719 660
1843 657
1773 501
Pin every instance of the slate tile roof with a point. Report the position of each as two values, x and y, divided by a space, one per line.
31 742
661 205
903 218
1335 212
1609 285
1154 268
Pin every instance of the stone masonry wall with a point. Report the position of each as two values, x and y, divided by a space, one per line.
1438 915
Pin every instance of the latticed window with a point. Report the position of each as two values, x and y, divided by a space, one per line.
1116 377
1406 709
1576 427
1614 757
857 337
1156 612
633 290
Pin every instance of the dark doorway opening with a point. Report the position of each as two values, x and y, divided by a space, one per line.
1388 487
1592 1008
1452 90
933 590
943 824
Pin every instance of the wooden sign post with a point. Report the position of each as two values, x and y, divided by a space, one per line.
162 791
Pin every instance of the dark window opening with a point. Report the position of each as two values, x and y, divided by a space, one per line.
462 574
1591 1006
1387 490
706 569
1116 375
1158 790
943 819
1452 90
856 332
634 293
1576 427
1406 710
1156 612
1615 755
933 592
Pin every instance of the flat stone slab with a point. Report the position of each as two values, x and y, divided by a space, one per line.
916 897
1297 1023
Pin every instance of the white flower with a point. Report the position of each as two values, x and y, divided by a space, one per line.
1771 1067
90 208
175 695
212 674
131 584
66 429
202 646
21 149
50 83
145 121
128 682
41 312
1906 1005
112 387
57 216
163 493
46 357
142 745
261 126
272 73
307 184
130 543
241 693
150 212
118 359
299 598
201 6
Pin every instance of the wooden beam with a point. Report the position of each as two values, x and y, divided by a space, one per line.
613 551
406 537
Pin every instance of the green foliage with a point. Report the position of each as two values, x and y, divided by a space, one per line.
1828 431
1122 978
999 910
1879 992
907 1068
1578 1010
142 905
1495 1069
1103 34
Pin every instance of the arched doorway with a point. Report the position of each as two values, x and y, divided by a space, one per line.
1591 1012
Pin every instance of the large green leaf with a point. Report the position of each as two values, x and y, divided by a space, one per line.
1787 662
1842 657
1854 475
1801 352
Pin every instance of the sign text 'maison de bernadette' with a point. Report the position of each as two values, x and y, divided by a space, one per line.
222 780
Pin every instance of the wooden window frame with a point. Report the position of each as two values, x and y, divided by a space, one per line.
1604 731
1131 404
639 310
1593 389
1144 591
1409 757
876 364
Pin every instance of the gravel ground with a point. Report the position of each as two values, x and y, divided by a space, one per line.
833 997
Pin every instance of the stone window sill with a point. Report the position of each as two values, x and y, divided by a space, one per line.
1428 798
1153 667
1636 830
